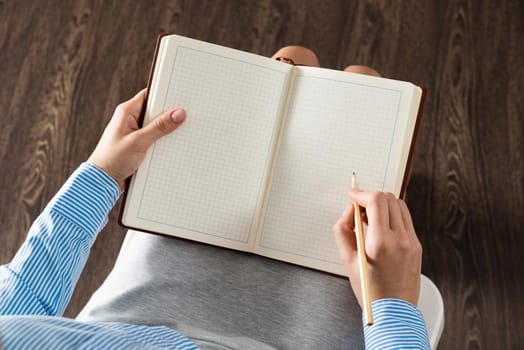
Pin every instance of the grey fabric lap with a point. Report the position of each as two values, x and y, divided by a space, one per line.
226 299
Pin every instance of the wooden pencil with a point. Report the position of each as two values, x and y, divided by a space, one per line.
362 259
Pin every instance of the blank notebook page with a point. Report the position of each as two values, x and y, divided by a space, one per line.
319 150
207 176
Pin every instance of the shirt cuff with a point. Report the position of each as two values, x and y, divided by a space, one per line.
86 198
397 325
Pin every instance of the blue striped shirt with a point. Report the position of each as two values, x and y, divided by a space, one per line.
36 286
397 325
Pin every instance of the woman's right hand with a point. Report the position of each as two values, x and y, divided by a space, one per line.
393 250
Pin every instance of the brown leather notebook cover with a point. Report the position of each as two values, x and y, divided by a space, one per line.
409 163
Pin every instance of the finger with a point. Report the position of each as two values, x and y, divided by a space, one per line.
161 125
408 222
133 106
376 207
347 220
395 216
344 235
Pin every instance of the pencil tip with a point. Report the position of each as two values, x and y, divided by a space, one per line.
354 174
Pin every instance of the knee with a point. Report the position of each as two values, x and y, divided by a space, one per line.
299 55
361 70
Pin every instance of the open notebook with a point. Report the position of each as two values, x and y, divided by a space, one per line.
264 159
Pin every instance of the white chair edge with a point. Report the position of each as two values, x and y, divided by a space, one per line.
431 305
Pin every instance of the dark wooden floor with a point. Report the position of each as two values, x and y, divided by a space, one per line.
65 65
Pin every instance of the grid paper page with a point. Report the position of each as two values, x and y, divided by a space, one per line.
319 150
207 177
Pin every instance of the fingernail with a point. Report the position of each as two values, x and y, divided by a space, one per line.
178 115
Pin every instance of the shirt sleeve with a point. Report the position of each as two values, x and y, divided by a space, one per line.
42 275
397 325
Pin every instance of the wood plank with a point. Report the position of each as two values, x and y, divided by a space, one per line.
66 65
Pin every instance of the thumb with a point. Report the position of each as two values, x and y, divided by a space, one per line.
162 125
345 235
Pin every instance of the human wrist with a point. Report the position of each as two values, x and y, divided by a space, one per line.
106 168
